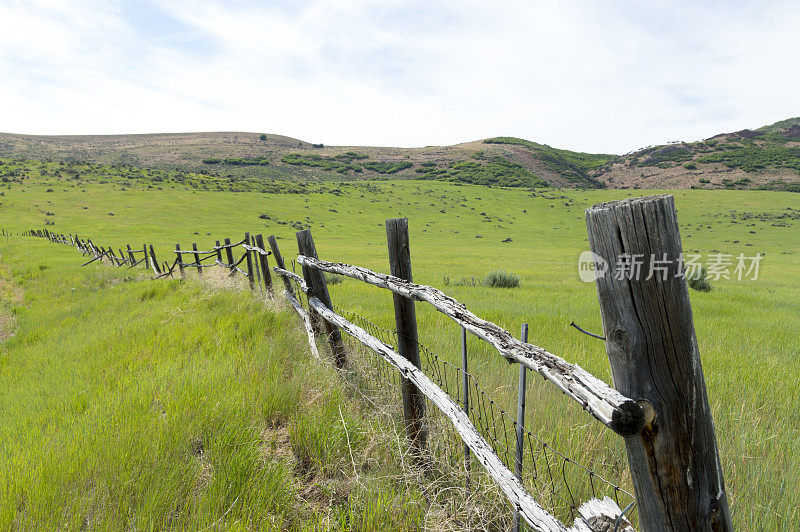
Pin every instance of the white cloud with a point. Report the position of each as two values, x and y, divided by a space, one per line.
572 74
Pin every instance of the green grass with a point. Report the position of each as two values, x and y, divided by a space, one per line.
132 404
341 164
575 166
747 331
492 171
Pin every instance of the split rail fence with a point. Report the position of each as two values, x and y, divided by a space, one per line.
658 405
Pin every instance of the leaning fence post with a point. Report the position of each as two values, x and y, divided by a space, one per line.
273 245
318 288
154 262
520 422
406 322
249 261
256 268
218 249
197 259
229 255
264 262
179 258
652 347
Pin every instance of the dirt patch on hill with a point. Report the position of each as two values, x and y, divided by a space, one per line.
10 296
712 176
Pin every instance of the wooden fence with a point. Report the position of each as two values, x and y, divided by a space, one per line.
658 405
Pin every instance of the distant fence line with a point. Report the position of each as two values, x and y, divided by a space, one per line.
651 344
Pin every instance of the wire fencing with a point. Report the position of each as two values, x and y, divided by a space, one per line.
559 483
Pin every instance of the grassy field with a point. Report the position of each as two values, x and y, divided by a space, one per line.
747 330
129 404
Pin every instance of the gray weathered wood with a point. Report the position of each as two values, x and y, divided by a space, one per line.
318 288
312 341
154 261
257 262
264 263
229 254
465 403
179 260
286 274
652 347
405 319
595 511
609 406
197 259
520 420
249 262
276 252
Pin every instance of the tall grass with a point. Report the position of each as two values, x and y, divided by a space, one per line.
747 331
127 403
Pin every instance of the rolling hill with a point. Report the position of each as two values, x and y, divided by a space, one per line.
768 157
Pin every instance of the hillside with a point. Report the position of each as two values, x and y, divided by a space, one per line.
767 158
504 161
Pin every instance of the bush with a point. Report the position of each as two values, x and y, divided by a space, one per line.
263 137
333 278
387 167
705 180
698 280
501 279
690 166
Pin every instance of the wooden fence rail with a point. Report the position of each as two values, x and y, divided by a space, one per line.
658 405
621 414
591 513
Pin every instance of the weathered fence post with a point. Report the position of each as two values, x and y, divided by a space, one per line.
256 266
218 250
465 384
520 421
154 263
273 245
405 318
197 259
229 255
179 258
315 279
249 260
131 256
652 347
264 262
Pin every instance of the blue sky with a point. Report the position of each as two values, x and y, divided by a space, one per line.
586 75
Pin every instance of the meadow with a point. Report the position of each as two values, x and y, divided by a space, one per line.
82 334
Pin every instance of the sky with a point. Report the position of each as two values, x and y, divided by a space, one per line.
606 77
